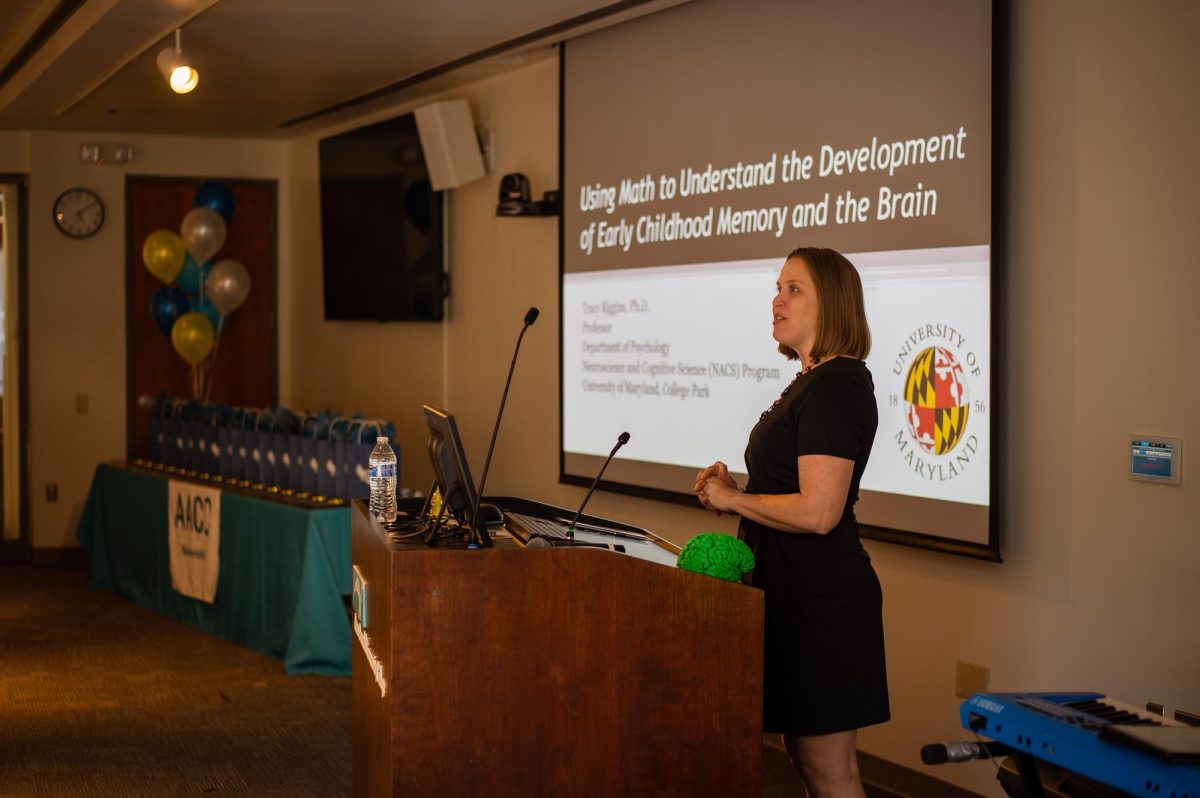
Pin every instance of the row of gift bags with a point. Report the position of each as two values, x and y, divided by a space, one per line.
318 453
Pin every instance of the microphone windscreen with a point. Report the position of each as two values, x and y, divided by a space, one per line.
934 754
623 438
537 543
531 316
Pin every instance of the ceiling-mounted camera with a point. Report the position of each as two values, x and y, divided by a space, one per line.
516 198
514 193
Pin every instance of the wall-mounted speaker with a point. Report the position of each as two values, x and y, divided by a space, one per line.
451 147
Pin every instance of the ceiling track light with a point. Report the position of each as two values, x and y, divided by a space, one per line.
180 75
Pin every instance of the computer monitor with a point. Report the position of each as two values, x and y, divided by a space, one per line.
453 476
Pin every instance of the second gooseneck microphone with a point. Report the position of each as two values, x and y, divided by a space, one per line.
531 316
621 441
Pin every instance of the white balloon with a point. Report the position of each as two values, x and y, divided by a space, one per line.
227 286
203 232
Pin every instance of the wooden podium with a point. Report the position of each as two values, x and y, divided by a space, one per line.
507 671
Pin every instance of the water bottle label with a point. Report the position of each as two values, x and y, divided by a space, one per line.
384 471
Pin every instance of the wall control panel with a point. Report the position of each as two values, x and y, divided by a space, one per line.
1153 458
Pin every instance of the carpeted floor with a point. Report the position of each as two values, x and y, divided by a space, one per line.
99 697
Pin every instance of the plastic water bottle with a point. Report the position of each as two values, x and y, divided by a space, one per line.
383 481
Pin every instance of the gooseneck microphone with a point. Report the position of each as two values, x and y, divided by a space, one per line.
531 316
622 439
543 543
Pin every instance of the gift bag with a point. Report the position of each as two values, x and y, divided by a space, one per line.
358 458
262 470
326 468
309 465
189 446
283 454
339 433
254 456
241 446
225 450
156 439
200 446
211 459
187 433
295 461
173 445
281 457
199 422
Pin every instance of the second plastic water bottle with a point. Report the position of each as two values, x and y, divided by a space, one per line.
383 481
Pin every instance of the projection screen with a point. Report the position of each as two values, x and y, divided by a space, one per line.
699 146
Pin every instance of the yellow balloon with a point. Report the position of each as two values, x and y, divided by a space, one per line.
163 255
192 337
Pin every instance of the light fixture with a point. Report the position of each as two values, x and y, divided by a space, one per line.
181 75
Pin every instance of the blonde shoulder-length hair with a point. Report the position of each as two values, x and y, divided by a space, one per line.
841 313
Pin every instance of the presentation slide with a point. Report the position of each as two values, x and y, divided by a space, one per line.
701 145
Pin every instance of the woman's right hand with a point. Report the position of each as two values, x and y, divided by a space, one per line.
717 470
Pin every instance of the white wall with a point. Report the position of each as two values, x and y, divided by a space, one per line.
498 268
77 304
379 370
14 151
1098 588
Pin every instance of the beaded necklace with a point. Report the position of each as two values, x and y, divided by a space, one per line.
816 362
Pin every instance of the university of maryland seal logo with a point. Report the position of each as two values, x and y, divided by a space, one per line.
930 391
935 395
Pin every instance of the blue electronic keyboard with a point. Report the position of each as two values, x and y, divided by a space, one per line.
1092 735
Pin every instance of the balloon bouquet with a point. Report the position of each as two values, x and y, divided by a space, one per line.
191 308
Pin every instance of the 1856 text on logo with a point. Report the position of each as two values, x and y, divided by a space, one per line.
936 364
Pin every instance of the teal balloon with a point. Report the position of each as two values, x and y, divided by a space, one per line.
166 305
192 276
216 195
204 305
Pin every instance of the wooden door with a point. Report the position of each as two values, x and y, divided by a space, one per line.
245 371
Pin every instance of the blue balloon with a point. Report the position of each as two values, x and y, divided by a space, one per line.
192 276
205 306
167 304
216 195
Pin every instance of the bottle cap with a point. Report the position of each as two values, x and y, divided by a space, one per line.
381 439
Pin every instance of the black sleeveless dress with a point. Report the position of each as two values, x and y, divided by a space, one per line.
823 667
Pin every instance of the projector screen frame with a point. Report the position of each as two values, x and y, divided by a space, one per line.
996 422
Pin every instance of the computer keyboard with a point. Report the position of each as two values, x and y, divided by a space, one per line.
527 527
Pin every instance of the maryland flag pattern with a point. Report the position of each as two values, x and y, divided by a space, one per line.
935 391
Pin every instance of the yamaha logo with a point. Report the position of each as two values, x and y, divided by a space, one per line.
936 366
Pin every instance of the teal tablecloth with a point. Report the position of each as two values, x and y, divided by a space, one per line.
283 573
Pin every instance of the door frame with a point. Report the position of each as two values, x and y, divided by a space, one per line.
19 548
132 262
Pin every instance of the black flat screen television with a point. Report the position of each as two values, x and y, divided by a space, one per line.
381 226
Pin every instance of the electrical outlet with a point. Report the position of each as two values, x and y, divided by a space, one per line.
51 491
970 679
81 404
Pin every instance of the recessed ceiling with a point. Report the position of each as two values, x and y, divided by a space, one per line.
262 63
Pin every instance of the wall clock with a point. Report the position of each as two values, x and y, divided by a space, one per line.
78 213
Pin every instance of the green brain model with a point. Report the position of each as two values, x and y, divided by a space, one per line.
718 555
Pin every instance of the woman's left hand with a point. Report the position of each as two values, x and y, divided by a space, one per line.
720 495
